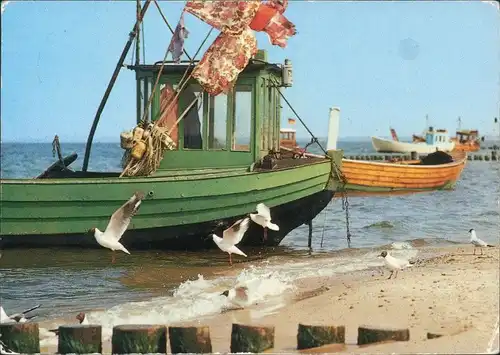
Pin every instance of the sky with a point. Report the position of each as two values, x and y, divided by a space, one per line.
384 64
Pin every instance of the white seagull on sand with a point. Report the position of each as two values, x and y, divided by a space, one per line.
82 319
231 237
478 243
237 296
263 218
394 264
118 224
18 317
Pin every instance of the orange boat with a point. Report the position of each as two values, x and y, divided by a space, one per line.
436 171
467 140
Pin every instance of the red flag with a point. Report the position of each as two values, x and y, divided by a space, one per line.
230 53
219 68
177 42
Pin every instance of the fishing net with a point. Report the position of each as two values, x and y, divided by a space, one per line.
151 150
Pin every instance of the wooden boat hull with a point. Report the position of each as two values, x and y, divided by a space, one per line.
177 211
467 147
383 177
390 146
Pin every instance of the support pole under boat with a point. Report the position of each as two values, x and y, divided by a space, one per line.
119 65
309 238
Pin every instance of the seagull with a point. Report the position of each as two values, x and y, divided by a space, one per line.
18 317
118 224
80 317
394 264
231 237
4 349
263 218
237 296
478 243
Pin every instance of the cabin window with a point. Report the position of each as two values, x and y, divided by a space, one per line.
217 119
192 122
242 119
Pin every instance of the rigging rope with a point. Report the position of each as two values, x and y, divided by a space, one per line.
338 171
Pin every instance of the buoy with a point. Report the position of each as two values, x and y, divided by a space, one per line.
369 335
138 150
310 336
195 340
22 338
138 132
139 339
126 140
80 339
245 338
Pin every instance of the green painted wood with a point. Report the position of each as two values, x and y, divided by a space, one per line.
194 340
139 339
80 339
206 158
21 338
81 225
153 206
74 206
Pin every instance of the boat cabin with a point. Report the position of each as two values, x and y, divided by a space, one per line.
227 130
438 136
465 135
288 138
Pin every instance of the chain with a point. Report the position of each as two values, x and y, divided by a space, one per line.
338 172
345 207
345 200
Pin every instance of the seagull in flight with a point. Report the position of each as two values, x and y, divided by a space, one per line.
478 243
263 218
118 224
394 264
17 317
231 237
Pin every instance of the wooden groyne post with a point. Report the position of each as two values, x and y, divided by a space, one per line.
251 339
22 338
139 339
194 340
313 336
80 339
369 335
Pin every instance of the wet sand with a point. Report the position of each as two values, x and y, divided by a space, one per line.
455 294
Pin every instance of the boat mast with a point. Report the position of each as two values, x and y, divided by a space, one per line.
459 123
119 65
138 58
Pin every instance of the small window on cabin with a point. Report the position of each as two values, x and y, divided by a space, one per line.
217 119
167 116
192 97
242 119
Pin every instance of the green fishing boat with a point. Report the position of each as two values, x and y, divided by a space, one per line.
219 157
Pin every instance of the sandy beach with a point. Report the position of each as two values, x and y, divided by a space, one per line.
455 294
